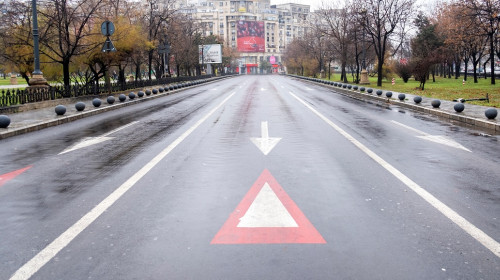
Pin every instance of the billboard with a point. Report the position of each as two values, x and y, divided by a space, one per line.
251 36
210 54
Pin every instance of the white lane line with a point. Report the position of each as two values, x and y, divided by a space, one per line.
44 256
488 242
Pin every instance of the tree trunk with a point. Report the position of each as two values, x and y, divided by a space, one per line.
138 71
150 64
484 69
457 68
344 72
466 65
474 65
65 64
492 59
379 69
121 77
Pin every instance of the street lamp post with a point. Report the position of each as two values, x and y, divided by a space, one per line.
364 74
37 80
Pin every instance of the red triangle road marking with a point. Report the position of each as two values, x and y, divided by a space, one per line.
302 231
11 175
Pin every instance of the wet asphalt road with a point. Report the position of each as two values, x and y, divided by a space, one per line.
373 224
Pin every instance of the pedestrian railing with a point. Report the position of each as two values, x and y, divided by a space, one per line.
12 97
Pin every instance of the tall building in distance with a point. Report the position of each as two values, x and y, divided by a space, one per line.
257 30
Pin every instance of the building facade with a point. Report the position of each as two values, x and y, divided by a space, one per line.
255 29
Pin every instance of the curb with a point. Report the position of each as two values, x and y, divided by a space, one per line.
92 112
460 117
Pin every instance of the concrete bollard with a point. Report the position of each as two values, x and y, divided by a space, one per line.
436 103
417 99
110 100
401 96
80 106
122 97
96 102
140 93
379 92
388 94
60 110
4 121
491 113
131 95
459 107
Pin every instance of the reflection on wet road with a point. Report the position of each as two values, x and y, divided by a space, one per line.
189 166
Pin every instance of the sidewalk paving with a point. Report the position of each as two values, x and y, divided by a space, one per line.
35 116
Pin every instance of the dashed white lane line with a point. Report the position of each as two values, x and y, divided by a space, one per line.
44 256
488 242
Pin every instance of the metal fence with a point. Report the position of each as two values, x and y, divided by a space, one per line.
10 97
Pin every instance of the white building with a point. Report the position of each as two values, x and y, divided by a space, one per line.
256 29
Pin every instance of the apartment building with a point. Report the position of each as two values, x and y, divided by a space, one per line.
257 30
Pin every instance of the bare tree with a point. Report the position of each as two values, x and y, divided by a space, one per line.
486 15
67 26
384 22
16 38
157 18
336 24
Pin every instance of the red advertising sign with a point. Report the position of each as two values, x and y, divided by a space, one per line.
251 36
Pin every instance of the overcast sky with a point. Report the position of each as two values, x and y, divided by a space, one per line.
316 4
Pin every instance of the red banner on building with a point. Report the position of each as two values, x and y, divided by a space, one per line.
251 36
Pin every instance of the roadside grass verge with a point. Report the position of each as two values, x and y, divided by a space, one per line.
446 89
6 81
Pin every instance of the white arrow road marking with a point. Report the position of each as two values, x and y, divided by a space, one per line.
267 211
89 141
434 138
265 144
262 89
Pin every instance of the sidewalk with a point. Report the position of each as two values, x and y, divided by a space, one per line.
473 115
40 115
